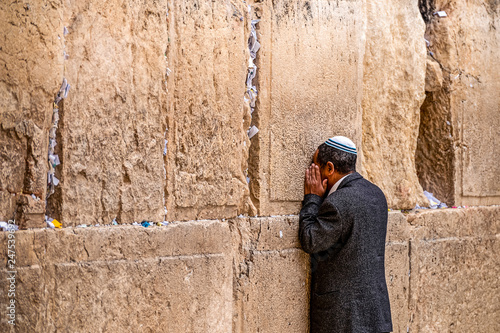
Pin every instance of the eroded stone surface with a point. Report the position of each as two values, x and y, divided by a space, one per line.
397 267
246 275
31 65
458 141
310 89
112 123
454 270
208 144
271 276
176 278
433 76
139 69
312 66
393 90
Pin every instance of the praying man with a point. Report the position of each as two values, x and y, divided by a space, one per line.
343 225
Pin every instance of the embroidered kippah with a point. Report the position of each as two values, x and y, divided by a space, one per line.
342 143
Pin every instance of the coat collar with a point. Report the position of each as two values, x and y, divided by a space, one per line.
353 176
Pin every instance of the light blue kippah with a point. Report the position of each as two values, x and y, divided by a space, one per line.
342 143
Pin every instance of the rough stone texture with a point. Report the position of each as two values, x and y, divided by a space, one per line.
454 271
397 266
110 140
314 80
393 90
271 276
433 76
7 205
30 212
113 124
144 72
310 79
208 144
30 74
176 278
246 275
459 132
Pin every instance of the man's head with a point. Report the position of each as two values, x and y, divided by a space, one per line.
336 158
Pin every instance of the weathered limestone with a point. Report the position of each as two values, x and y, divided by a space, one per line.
397 267
246 275
117 278
30 74
433 75
111 130
208 144
117 57
393 90
457 156
144 72
310 82
271 276
454 270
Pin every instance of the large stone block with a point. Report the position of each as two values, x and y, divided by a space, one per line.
111 139
176 279
397 267
208 145
271 276
393 90
454 271
31 64
276 298
44 246
309 81
480 222
459 132
32 59
177 294
454 285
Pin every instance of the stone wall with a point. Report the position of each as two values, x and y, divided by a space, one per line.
155 127
112 123
393 90
246 275
31 68
457 155
310 80
454 267
207 143
155 123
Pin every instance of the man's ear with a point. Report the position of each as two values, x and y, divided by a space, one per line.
330 169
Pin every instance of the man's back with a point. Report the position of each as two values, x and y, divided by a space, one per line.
345 234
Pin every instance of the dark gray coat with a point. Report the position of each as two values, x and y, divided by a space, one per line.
345 235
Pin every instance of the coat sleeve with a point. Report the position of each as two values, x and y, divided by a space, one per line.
320 224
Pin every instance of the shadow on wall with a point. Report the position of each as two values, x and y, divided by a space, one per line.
434 156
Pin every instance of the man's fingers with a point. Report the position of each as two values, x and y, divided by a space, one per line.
310 174
317 174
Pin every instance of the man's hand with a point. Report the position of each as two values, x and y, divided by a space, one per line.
313 183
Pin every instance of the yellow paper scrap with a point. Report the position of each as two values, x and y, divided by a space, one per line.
57 224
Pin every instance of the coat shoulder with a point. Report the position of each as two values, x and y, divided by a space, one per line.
359 184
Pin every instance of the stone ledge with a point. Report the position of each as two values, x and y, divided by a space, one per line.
243 273
54 246
478 221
